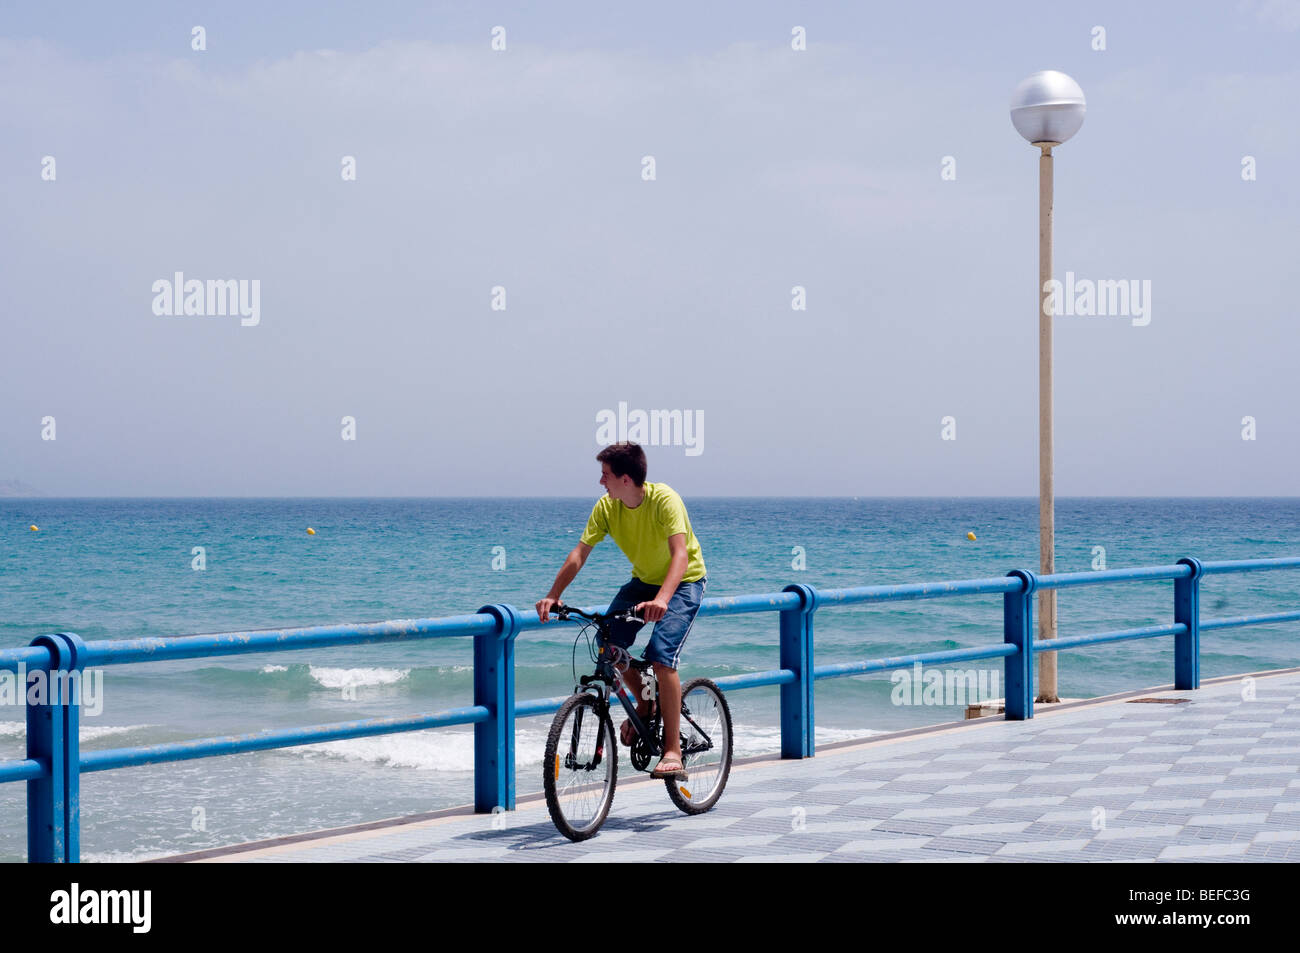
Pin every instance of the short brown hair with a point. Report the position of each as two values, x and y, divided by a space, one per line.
625 459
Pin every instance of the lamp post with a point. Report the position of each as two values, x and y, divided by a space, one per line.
1047 109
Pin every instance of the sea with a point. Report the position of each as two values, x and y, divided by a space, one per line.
126 568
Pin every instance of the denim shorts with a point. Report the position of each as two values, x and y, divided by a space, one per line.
670 632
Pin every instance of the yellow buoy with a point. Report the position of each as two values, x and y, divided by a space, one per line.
310 531
971 537
34 528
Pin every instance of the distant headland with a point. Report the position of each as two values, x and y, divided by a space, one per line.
17 488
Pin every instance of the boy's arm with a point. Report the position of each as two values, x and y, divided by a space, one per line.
572 563
654 611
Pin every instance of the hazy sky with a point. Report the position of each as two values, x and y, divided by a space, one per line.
523 168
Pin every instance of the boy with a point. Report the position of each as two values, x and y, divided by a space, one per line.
648 521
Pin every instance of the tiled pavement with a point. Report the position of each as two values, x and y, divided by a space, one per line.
1216 777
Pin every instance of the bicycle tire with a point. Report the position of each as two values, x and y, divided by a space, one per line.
568 800
707 707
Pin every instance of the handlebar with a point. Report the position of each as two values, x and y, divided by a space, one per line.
562 612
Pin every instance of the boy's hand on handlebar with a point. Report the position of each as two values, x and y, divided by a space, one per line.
651 611
544 607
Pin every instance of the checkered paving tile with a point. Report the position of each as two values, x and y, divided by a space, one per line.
1215 779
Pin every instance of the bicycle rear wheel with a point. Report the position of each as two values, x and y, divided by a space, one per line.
580 767
706 747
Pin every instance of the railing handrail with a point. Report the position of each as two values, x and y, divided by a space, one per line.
253 641
54 761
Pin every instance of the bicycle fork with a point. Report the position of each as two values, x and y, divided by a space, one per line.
571 760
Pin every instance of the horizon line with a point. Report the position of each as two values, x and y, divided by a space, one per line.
694 496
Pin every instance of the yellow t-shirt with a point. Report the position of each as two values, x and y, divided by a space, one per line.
642 532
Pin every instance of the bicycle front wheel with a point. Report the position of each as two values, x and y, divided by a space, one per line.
706 747
580 767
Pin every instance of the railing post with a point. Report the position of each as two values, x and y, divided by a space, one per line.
1018 630
1187 610
797 718
494 689
53 736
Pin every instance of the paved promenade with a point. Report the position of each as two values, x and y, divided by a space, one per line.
1204 775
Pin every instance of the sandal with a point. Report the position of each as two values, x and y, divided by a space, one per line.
678 772
627 731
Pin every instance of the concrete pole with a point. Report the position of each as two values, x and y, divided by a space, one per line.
1046 488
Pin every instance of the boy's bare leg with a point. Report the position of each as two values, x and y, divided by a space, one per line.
670 706
635 685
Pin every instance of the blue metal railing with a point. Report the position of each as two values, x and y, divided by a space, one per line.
54 762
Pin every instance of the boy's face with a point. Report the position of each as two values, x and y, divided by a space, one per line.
616 486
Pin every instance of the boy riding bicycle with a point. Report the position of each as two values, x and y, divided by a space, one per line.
649 523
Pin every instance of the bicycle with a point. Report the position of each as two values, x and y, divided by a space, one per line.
580 767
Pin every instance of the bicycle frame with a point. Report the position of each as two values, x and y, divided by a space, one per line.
607 675
609 680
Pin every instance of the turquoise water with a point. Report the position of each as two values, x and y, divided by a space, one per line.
122 568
